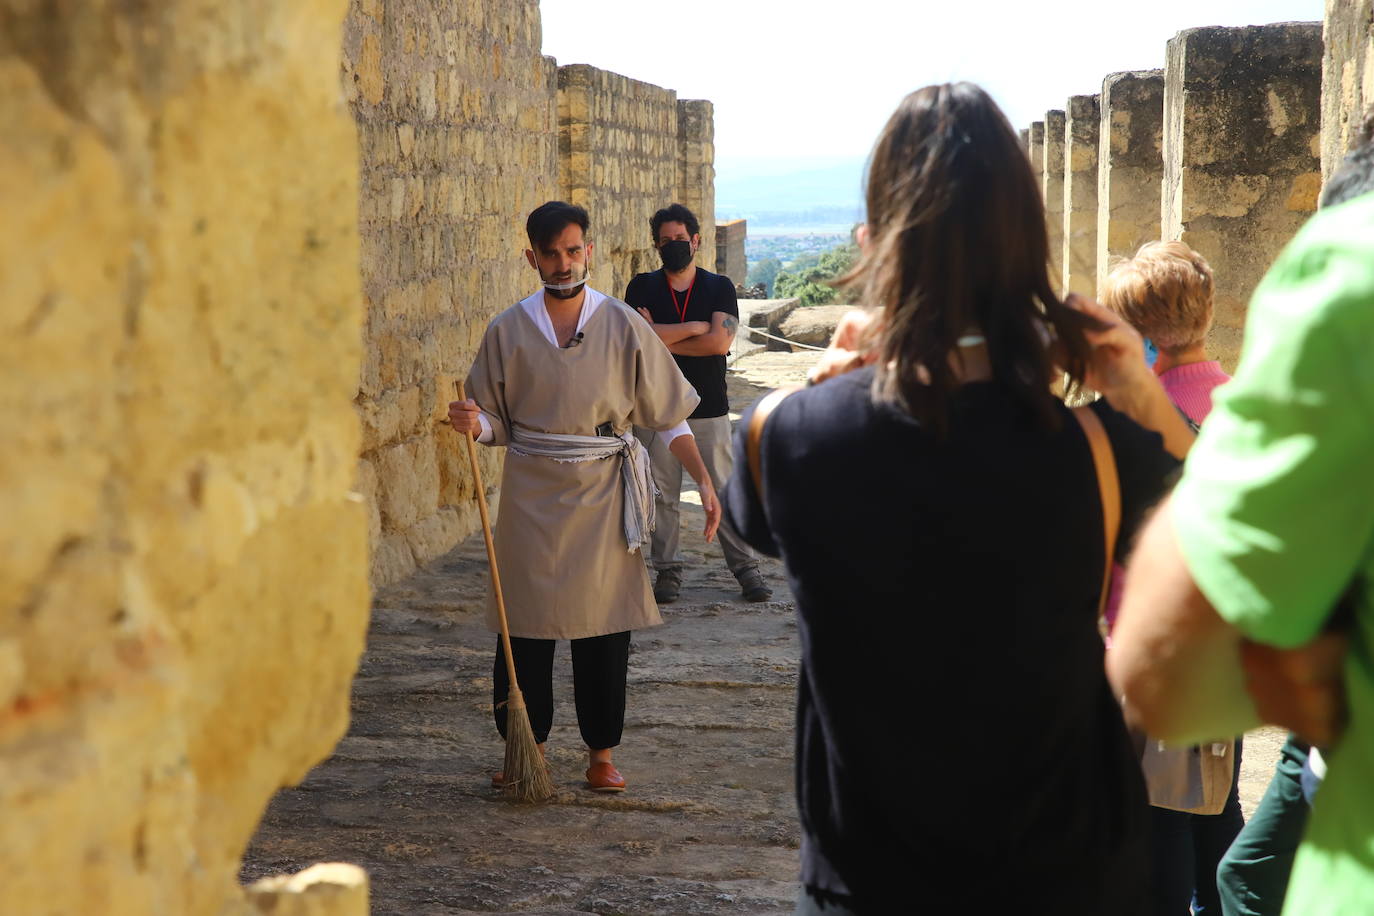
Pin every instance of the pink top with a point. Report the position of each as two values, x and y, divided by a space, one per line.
1190 388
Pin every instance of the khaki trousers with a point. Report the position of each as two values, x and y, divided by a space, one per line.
713 441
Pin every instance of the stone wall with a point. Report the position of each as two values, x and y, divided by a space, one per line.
183 567
1052 189
730 257
1080 195
456 125
1347 75
1036 135
1130 164
617 157
1241 146
696 173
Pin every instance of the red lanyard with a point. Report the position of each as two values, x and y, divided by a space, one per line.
681 309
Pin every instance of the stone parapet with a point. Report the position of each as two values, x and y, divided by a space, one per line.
1347 76
618 140
696 173
1052 189
1241 150
730 258
1079 252
1130 165
456 124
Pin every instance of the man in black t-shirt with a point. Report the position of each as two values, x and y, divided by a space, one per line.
695 313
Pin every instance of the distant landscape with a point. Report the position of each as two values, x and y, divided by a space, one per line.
797 208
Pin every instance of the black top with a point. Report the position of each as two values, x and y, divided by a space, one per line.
957 740
711 293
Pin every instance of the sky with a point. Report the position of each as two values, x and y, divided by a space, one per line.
810 83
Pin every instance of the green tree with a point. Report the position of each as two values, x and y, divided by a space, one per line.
765 272
808 277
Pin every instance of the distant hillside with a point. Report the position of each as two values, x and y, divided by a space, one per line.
786 192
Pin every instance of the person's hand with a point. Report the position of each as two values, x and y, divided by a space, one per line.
1116 365
843 354
711 503
1301 689
645 314
462 416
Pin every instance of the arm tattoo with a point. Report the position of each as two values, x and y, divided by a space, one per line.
730 324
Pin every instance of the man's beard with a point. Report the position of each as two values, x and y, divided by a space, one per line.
566 289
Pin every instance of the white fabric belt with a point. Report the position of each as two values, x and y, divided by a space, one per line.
635 476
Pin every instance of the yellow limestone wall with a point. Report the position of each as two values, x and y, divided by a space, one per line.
458 137
183 569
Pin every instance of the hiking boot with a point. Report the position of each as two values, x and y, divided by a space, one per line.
668 585
753 586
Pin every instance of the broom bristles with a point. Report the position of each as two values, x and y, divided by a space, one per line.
526 776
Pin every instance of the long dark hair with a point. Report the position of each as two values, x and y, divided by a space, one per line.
957 242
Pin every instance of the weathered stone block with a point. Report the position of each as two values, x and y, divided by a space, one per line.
1130 165
330 889
1052 188
180 547
1241 143
1079 256
730 259
1347 76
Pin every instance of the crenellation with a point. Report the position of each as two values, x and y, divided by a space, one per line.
730 256
1130 164
1347 76
1241 153
1052 188
1079 252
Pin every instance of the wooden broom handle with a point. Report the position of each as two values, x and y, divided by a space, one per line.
491 545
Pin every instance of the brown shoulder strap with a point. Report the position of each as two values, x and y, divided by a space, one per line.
754 443
1108 488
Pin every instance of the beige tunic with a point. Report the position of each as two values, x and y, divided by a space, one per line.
566 571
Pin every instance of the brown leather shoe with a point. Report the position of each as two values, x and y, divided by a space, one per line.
604 777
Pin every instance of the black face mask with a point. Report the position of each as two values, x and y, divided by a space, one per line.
676 255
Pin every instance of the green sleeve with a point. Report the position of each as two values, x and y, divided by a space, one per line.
1275 511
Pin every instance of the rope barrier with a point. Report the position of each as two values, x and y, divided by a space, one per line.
784 340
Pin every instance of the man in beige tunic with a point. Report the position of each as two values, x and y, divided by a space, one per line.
560 379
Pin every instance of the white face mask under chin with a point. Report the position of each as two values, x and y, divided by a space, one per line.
568 287
564 287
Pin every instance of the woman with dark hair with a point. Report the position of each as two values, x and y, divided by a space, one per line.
958 747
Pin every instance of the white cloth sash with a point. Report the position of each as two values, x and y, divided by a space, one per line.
635 475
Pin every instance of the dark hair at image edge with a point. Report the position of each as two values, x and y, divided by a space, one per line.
547 220
674 213
957 242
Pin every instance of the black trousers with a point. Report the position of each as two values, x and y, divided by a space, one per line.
599 665
1187 848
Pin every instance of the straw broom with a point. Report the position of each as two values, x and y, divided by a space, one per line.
526 777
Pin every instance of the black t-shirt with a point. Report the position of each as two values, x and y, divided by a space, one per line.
710 293
957 740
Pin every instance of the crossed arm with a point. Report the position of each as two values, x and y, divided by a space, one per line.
697 338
